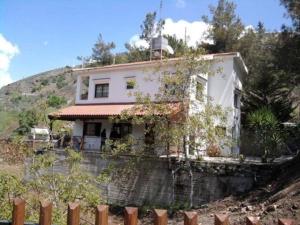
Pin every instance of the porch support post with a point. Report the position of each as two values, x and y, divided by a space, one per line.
51 127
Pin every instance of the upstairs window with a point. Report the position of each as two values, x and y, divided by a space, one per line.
199 91
84 88
237 97
101 90
130 83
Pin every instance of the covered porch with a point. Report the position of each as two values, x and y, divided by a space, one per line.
92 126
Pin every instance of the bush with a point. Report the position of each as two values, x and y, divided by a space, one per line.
60 82
213 150
27 120
16 98
44 82
56 101
266 130
36 89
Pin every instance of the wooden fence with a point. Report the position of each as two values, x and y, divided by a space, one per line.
130 216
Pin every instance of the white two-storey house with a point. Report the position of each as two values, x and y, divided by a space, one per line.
103 92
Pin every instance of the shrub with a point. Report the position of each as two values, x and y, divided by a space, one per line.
213 150
44 82
60 82
266 130
56 101
16 98
36 88
27 120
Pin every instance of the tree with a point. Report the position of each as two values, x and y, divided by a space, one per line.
179 46
73 184
293 8
102 54
27 120
56 101
150 28
266 84
137 54
266 130
226 27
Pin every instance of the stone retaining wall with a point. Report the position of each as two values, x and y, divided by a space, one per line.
165 182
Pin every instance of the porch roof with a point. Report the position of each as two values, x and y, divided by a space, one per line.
104 110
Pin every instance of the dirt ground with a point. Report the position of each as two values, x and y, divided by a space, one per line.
16 169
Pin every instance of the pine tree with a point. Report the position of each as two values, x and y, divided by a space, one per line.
102 54
226 27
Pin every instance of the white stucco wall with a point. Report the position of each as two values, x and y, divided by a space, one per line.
146 81
220 88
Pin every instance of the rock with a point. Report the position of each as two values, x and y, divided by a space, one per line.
249 208
295 206
271 208
204 206
244 210
233 209
243 204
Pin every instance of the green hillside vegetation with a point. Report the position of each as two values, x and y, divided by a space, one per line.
42 93
7 120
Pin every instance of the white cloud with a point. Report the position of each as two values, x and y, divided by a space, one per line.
194 32
180 3
7 52
137 42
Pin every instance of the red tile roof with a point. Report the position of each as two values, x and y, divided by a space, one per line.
100 111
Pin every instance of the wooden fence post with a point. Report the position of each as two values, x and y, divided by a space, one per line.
45 213
130 217
160 217
190 218
18 216
101 217
286 222
250 220
73 214
221 219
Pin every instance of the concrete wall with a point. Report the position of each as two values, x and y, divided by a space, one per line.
159 182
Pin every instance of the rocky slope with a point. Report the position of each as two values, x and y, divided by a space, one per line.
24 94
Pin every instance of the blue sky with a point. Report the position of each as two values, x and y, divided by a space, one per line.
45 34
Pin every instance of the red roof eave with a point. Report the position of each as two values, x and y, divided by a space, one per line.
99 111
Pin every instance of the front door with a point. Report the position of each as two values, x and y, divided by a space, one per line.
92 139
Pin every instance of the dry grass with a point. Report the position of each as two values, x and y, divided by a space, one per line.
17 169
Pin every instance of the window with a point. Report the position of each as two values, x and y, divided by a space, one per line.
92 129
84 88
236 99
220 131
101 90
199 91
120 130
130 83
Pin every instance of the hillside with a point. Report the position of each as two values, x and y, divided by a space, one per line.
24 94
